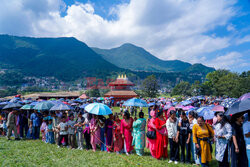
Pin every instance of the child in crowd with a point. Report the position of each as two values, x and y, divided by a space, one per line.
43 130
79 130
63 132
50 132
71 131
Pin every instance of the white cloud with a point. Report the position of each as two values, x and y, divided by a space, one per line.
231 60
170 29
243 40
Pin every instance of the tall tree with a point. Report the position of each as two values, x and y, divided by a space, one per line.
183 88
150 86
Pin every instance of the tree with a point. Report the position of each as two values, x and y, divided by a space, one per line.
195 89
150 86
93 93
183 88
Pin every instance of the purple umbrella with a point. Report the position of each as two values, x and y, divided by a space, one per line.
245 96
179 106
186 108
218 108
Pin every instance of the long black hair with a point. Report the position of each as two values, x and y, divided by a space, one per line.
193 114
223 121
126 115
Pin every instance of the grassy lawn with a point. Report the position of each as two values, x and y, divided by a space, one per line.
37 153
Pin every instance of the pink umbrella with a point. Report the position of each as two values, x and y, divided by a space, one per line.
218 108
245 96
186 108
170 109
179 106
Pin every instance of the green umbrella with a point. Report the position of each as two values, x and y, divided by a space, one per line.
44 105
27 107
52 99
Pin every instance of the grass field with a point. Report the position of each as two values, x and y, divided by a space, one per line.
36 153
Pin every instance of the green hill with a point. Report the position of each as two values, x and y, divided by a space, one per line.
64 58
135 58
68 59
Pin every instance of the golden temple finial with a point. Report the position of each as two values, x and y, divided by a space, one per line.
119 76
125 76
122 76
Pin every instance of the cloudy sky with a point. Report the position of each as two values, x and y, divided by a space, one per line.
213 32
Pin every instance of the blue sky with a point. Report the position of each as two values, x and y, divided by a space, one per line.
212 32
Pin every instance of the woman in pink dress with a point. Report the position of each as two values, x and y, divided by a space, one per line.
118 141
151 127
126 130
95 132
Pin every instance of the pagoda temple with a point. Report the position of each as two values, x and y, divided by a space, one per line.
120 89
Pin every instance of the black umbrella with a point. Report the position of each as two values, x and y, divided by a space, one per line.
239 107
12 105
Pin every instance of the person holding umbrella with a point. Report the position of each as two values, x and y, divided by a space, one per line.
11 124
238 147
246 130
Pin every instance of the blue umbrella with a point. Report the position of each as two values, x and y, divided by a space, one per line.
186 102
4 103
239 107
166 107
61 107
83 106
34 103
191 109
206 112
174 103
136 103
27 107
151 104
98 109
44 105
201 97
15 99
12 105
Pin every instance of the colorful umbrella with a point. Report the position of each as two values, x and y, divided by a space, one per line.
151 104
186 108
239 107
12 105
83 106
135 102
218 108
43 105
27 107
186 102
98 109
206 112
245 96
61 107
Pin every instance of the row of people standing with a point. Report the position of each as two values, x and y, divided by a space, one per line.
192 136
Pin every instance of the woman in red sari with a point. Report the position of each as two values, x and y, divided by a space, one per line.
117 135
151 127
161 136
126 130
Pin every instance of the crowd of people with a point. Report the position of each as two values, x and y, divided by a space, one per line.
189 137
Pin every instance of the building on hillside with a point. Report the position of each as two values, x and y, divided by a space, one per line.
120 89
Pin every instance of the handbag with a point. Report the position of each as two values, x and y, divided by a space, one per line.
210 138
151 134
